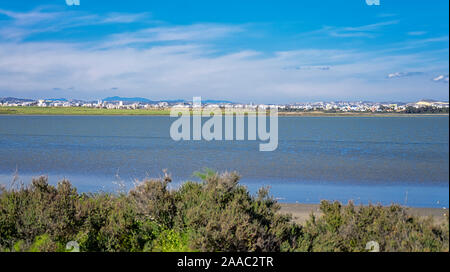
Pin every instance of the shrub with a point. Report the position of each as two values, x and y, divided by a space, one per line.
36 210
171 240
227 218
153 200
217 214
350 228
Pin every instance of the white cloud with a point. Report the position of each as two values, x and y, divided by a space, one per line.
441 78
182 71
182 61
369 30
403 74
31 17
125 17
417 33
197 32
23 24
313 67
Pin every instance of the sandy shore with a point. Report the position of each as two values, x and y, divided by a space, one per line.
300 212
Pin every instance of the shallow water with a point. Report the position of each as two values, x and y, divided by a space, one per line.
377 159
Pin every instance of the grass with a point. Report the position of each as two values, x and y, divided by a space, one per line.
101 111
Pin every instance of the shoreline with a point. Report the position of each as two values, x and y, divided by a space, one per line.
36 111
301 212
433 196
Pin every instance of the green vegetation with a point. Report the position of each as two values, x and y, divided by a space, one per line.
427 109
78 111
217 214
87 111
385 112
101 111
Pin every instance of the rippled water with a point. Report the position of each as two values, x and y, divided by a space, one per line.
360 158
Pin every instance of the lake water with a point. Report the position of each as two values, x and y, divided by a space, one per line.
365 159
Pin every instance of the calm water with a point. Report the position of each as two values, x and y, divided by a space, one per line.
388 159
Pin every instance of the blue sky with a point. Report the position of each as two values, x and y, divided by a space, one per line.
249 51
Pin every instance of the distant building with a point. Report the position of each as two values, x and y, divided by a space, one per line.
41 103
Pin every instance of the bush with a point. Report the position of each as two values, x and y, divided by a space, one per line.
350 228
227 218
38 209
171 241
216 214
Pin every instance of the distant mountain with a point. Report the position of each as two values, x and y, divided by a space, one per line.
115 99
210 101
145 100
428 100
56 99
128 99
15 100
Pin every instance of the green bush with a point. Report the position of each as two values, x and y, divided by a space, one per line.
38 209
216 214
350 228
171 241
227 218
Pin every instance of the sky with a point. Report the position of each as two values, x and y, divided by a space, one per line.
262 51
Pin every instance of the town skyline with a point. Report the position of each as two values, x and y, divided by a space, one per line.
137 103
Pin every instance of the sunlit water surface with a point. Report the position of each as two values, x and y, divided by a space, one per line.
365 159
